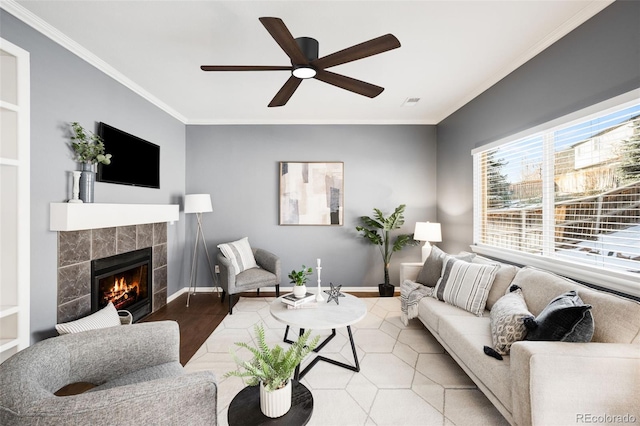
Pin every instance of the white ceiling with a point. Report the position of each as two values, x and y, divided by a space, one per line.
451 52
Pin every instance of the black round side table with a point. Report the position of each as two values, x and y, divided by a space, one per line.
244 409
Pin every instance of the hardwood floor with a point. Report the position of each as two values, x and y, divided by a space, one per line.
204 314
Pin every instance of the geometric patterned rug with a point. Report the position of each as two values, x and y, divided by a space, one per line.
405 377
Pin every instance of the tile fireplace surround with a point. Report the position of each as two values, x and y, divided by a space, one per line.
76 250
93 231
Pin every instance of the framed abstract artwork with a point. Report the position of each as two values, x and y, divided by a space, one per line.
311 193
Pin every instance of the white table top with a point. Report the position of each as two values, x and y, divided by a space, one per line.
326 316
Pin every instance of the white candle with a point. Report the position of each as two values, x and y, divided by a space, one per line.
318 263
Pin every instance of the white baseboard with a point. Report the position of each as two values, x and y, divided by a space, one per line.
273 289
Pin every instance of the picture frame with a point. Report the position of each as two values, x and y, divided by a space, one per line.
311 193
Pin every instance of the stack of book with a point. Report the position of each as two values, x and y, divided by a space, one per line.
292 302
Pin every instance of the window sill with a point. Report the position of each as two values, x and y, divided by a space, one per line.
627 284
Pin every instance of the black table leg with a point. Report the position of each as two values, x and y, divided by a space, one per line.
300 374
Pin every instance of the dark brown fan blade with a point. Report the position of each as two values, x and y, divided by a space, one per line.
283 37
359 51
245 68
285 93
350 84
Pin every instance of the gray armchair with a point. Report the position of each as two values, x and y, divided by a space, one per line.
136 369
267 274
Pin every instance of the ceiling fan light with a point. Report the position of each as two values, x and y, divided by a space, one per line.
303 71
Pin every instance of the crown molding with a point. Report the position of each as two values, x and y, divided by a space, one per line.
60 38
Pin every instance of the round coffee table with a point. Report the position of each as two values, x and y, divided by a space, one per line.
245 408
326 316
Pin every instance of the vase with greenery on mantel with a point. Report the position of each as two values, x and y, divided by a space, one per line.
88 150
377 230
299 281
272 369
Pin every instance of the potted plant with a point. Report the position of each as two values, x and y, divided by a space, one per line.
377 230
272 369
88 150
87 146
299 281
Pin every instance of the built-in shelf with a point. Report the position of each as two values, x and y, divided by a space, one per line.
76 217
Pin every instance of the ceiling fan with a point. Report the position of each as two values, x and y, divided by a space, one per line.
303 52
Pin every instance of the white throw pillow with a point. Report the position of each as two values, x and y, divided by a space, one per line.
239 254
465 285
105 317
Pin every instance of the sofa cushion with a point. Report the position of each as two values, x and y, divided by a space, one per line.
507 321
239 254
503 279
465 338
430 311
565 319
617 319
465 285
432 267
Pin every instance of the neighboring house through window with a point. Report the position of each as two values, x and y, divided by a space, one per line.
566 196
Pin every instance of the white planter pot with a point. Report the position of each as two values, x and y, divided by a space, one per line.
275 403
299 291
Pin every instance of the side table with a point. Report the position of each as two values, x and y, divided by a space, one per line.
245 408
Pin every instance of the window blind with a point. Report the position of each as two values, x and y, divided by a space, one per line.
571 193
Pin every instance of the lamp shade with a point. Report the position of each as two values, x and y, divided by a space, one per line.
197 203
427 231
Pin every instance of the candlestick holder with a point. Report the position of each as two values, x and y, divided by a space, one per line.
76 187
319 297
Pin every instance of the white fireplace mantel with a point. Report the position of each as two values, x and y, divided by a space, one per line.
75 217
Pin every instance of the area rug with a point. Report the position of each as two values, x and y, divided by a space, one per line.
405 377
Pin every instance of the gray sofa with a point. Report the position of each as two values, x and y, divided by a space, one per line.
546 383
136 369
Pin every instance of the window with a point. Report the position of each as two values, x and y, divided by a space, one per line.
566 196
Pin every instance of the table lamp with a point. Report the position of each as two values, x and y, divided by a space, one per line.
427 232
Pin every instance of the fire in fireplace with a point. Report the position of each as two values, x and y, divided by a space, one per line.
125 280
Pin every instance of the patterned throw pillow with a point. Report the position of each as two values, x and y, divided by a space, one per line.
465 285
507 321
432 267
565 319
105 317
239 254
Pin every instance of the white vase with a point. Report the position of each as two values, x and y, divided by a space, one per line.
299 291
275 403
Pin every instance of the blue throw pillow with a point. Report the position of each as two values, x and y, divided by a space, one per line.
565 319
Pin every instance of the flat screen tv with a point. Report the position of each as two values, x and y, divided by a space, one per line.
134 161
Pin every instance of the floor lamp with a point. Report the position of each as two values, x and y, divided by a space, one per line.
198 204
427 231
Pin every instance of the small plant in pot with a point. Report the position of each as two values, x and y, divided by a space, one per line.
272 369
299 281
377 230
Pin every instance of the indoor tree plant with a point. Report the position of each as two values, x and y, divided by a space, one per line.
272 369
299 281
377 230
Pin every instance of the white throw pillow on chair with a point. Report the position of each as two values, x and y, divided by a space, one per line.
105 317
239 254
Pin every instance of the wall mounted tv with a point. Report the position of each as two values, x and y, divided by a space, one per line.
134 161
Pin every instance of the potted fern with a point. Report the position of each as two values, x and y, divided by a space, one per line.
272 369
377 230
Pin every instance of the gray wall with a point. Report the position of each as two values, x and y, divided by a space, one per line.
597 61
384 166
64 88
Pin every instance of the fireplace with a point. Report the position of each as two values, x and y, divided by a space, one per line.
124 279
